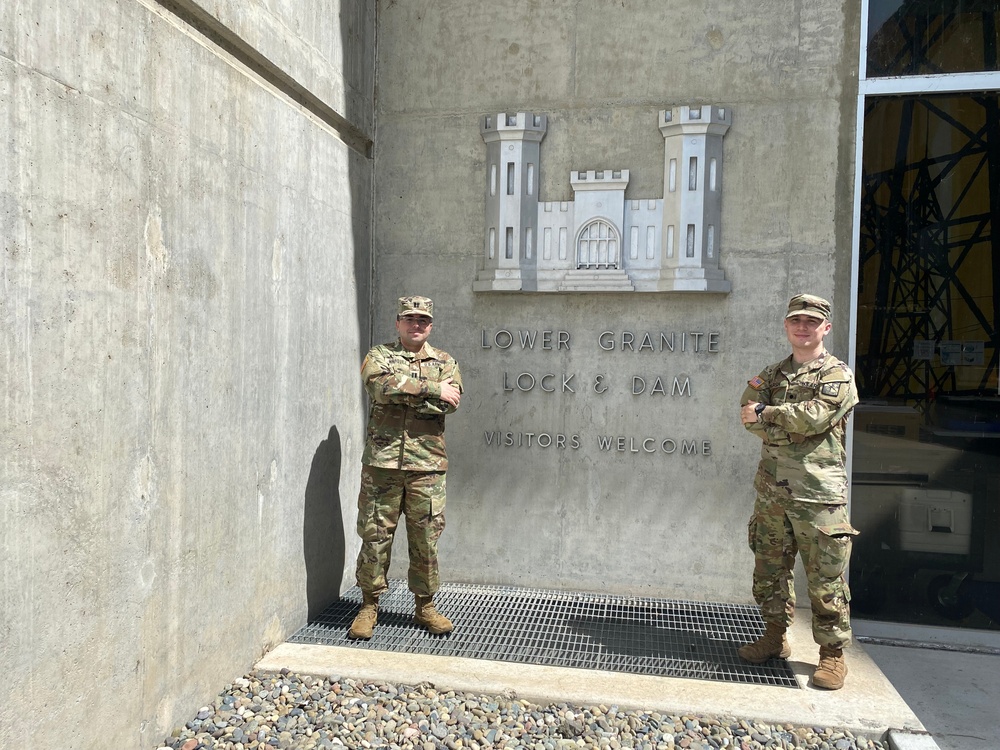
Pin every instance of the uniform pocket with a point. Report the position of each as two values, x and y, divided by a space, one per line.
752 533
439 498
835 543
426 494
367 528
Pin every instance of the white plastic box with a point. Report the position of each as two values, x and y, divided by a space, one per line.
935 521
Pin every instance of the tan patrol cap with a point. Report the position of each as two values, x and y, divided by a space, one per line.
415 306
808 304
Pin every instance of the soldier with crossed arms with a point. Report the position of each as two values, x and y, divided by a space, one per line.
799 408
412 386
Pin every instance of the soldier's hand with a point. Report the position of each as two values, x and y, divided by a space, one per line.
450 393
747 413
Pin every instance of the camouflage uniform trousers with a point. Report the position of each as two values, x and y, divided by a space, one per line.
780 528
385 493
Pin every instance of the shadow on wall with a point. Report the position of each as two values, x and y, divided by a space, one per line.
323 543
357 27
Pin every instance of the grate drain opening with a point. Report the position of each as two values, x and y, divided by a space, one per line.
659 637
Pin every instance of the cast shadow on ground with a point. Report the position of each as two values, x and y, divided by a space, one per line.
639 640
323 543
678 651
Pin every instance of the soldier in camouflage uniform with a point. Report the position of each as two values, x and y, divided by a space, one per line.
799 408
411 386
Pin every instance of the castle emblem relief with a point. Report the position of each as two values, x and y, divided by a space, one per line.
600 242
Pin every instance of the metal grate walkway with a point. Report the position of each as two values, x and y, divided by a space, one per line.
663 637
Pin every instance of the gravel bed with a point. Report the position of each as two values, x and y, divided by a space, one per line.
266 710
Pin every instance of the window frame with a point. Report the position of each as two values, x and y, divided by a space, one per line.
951 83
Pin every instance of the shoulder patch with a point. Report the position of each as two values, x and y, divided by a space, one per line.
830 389
837 371
756 383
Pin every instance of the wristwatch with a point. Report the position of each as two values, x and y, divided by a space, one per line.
759 411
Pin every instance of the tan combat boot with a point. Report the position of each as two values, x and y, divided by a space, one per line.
428 616
831 670
366 619
772 643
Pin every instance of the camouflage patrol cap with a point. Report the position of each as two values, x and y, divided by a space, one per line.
415 306
808 304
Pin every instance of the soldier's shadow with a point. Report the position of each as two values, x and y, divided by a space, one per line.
323 541
681 651
643 640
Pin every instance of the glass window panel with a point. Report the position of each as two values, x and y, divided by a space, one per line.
926 464
932 37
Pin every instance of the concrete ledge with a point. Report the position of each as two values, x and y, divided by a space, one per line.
868 704
899 740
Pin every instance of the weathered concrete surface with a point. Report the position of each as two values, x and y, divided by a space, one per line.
869 704
185 282
325 46
586 518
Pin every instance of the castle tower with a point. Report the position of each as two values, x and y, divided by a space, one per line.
692 200
512 150
597 263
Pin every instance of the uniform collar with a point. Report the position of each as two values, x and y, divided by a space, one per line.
789 366
426 351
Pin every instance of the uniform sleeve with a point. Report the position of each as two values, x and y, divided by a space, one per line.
388 385
834 399
434 404
769 433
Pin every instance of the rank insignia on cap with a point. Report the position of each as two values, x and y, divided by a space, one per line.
756 383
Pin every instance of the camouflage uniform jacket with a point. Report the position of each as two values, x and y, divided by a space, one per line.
406 419
804 434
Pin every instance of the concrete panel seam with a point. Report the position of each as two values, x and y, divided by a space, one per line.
207 26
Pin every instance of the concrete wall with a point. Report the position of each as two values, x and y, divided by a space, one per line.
644 523
185 278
